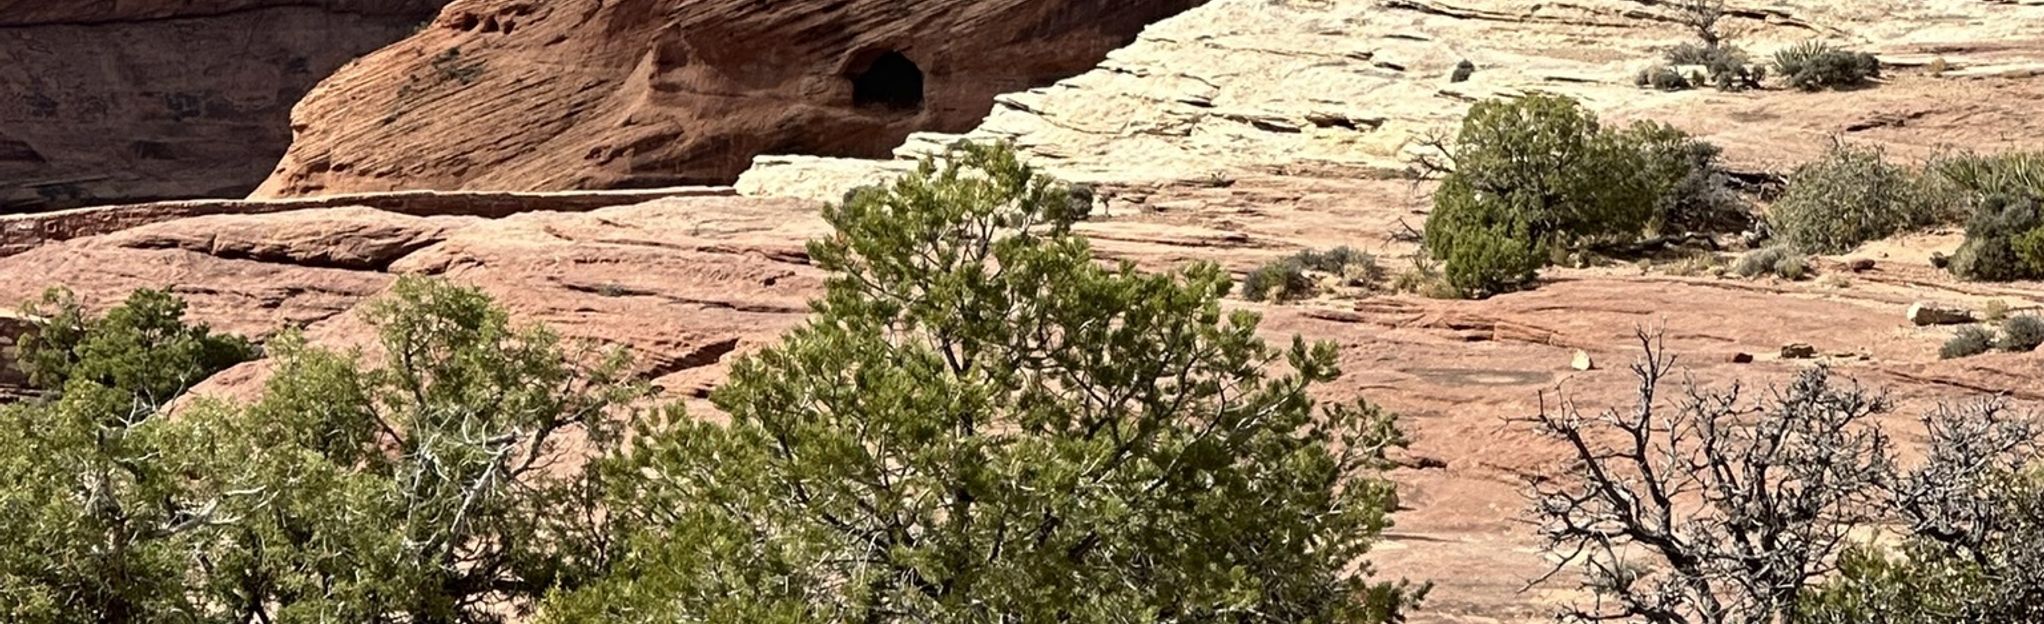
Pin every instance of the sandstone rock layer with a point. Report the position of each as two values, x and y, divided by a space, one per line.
106 102
1236 133
581 94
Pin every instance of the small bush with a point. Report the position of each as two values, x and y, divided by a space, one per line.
1779 261
1286 279
1355 267
2004 241
1486 262
1727 68
1663 78
1279 281
1695 194
1815 66
1463 71
1423 278
1970 341
1853 195
2021 333
2013 174
1995 310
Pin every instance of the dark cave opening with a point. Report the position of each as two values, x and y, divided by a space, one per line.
890 82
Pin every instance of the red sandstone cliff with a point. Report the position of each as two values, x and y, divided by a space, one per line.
106 101
578 94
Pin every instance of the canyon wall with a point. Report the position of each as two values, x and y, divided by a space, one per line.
588 94
106 102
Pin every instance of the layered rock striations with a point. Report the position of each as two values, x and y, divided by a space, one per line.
104 102
585 94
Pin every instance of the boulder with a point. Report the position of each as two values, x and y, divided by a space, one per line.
1923 313
1798 351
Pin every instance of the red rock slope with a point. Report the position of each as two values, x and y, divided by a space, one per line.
581 94
149 99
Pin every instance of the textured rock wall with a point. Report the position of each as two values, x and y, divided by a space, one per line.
19 233
578 94
106 102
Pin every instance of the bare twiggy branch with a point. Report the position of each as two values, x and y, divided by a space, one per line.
1730 507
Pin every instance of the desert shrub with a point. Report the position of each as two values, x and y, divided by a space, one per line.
1288 278
1537 175
1778 260
1853 195
1354 267
1017 439
1463 70
1725 67
1995 310
1971 340
2012 174
1694 192
1277 281
1481 252
1422 278
1664 78
446 485
2022 332
1815 66
142 347
1693 54
2004 241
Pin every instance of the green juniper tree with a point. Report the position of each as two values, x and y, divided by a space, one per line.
981 423
445 481
1528 176
98 517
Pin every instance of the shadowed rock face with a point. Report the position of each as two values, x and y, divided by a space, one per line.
584 94
106 102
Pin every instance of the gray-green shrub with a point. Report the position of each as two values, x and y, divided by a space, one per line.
2005 234
2004 241
1779 261
1663 78
1355 266
2021 333
1277 281
1853 195
1286 279
2011 174
1970 341
1726 67
1815 66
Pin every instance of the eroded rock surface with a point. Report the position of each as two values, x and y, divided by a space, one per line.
1239 132
106 102
579 94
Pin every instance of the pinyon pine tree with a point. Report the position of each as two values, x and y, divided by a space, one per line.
981 423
